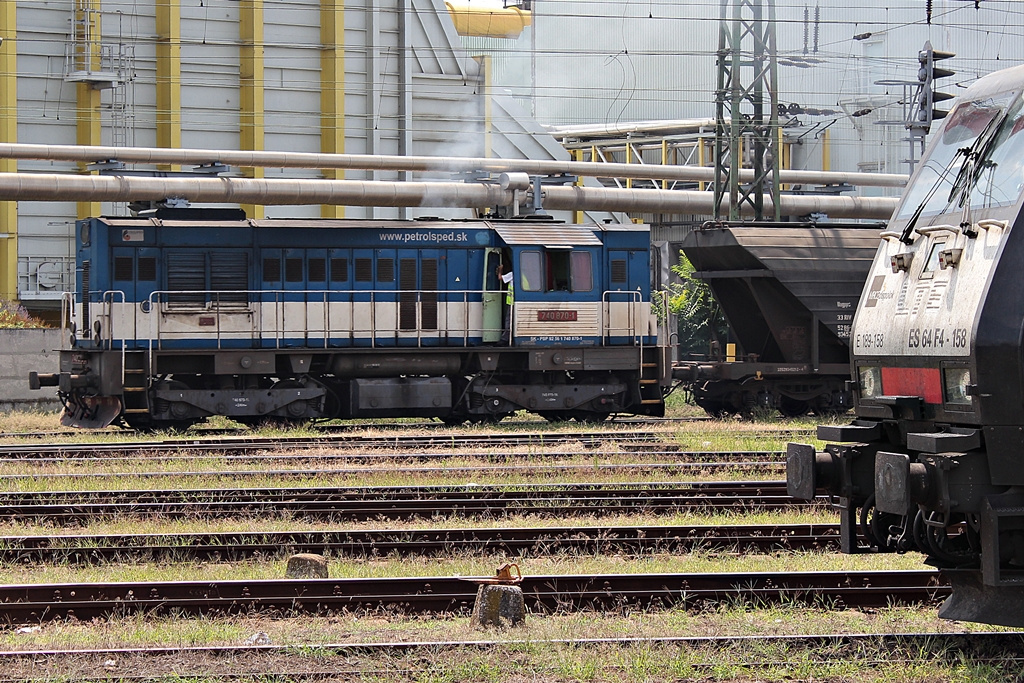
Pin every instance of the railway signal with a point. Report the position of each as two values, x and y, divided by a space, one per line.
929 96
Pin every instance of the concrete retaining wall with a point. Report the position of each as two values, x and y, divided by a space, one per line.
22 351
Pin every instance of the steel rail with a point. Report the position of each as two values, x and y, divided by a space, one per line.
33 603
248 444
684 458
229 546
382 162
63 187
327 427
399 502
632 468
361 426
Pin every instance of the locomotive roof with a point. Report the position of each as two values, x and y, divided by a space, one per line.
544 229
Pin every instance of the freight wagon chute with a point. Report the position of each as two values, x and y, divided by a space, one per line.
788 292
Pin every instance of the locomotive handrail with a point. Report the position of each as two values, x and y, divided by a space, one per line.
632 298
890 234
323 317
67 315
257 301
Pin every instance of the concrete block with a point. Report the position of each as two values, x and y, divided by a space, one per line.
306 566
498 605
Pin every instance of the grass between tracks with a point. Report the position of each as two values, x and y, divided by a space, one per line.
249 525
535 661
311 641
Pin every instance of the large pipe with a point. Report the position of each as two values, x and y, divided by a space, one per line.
670 201
381 162
69 187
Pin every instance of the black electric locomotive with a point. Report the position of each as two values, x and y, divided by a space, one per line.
181 315
934 461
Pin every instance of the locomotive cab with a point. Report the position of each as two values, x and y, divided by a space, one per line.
933 461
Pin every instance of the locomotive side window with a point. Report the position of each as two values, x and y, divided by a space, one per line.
530 271
582 272
556 270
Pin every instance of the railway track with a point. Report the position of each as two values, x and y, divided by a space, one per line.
238 445
393 425
33 603
398 502
635 469
326 661
231 546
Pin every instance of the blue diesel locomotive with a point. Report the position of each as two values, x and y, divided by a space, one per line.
188 313
933 461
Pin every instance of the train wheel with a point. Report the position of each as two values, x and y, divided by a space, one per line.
953 544
791 407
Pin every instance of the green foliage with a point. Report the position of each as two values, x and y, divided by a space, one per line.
15 317
701 320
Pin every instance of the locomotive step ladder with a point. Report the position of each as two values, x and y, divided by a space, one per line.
135 383
650 379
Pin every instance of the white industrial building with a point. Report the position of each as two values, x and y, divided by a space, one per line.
396 77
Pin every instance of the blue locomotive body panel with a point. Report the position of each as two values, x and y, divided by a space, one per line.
332 284
190 314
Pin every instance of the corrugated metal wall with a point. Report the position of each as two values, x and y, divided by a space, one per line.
408 88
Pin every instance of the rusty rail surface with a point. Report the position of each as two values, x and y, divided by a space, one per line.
399 502
440 594
229 546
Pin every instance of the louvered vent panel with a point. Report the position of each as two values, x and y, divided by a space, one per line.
123 269
618 271
147 269
186 272
293 270
339 269
317 270
407 296
271 269
386 270
428 298
86 268
364 270
229 273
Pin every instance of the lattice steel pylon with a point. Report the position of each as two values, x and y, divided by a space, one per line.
747 124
